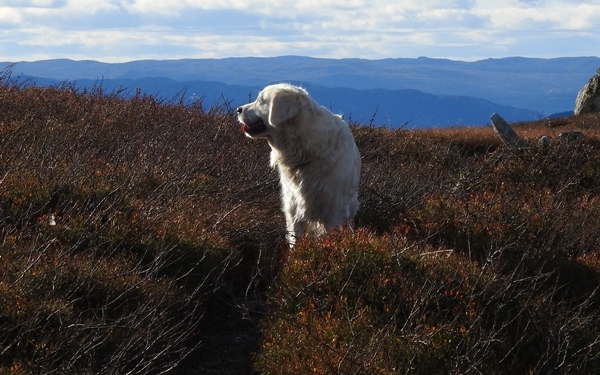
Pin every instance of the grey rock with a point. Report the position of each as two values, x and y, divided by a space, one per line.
506 132
571 135
545 141
588 99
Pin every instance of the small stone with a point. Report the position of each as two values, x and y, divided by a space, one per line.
545 141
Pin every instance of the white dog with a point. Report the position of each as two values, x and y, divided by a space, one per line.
315 153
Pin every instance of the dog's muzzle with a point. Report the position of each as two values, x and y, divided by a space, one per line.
251 125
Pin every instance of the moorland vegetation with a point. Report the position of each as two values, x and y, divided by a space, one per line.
142 235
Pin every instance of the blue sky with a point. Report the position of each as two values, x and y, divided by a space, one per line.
125 30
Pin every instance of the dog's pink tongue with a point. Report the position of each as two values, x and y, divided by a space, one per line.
245 128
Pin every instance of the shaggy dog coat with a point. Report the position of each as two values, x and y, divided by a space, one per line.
315 154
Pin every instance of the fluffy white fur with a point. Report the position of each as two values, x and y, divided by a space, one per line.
315 154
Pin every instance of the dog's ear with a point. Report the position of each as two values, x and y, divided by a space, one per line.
284 106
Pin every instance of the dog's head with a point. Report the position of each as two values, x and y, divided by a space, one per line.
275 106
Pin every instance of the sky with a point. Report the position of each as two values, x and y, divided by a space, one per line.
126 30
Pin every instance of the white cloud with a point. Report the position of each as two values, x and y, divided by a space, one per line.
287 8
31 3
133 29
575 17
9 17
173 8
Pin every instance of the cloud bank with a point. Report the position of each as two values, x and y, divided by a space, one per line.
123 30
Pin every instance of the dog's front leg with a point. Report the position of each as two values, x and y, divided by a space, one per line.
295 231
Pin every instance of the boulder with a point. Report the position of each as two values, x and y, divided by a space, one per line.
588 99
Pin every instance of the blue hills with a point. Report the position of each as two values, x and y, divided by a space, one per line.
415 93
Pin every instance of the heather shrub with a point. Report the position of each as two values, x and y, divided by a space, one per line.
360 303
116 227
142 235
470 258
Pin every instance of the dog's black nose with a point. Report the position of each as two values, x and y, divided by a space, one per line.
239 109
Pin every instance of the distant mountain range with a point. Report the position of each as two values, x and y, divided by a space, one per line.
419 92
